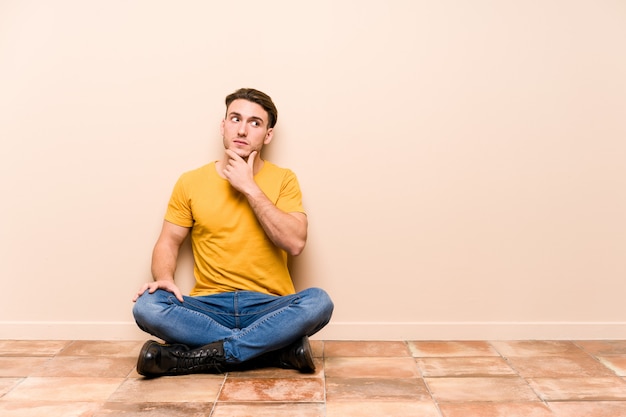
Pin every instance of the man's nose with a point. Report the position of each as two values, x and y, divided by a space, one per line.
243 130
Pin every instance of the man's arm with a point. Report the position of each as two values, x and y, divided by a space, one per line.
164 258
288 231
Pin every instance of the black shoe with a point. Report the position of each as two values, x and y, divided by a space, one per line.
298 355
158 359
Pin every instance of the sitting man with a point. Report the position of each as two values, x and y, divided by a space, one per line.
246 218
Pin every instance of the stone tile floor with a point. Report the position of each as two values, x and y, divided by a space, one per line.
354 378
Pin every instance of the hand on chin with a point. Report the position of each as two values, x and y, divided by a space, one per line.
243 154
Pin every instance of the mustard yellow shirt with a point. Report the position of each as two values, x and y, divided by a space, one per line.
231 251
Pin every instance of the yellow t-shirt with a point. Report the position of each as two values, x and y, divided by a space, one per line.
231 251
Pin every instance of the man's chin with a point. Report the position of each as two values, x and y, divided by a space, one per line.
242 154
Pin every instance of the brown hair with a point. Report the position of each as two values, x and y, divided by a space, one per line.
259 98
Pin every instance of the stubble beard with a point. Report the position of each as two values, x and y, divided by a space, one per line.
237 151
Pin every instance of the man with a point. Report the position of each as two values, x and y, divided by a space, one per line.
246 218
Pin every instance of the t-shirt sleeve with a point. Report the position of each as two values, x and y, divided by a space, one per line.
290 198
179 207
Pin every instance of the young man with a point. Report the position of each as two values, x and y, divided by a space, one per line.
246 218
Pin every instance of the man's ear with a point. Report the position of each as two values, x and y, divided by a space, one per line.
269 136
222 127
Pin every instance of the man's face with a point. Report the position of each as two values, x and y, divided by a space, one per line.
245 128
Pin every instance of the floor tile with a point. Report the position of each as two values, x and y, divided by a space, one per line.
589 409
472 366
279 372
190 409
21 366
31 347
381 409
371 367
353 378
575 389
318 348
7 384
64 389
97 348
77 366
501 389
559 367
376 389
48 409
169 389
273 389
366 348
269 410
527 348
604 347
534 409
615 363
448 349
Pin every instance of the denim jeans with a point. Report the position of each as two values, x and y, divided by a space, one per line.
249 323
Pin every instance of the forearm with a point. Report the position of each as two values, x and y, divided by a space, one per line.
288 231
163 268
165 253
164 260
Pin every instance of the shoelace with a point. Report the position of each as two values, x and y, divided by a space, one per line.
198 360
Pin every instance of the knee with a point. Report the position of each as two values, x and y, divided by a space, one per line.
321 301
140 308
147 307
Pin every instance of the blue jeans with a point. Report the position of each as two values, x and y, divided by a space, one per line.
249 323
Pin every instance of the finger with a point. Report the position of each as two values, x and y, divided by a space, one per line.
173 288
143 289
251 159
233 155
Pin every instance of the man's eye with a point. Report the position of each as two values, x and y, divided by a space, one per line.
256 123
234 119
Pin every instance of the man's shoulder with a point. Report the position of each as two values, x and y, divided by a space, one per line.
199 172
201 169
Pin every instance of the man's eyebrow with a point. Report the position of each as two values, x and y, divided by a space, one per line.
234 113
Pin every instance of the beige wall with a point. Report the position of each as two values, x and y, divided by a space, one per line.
463 162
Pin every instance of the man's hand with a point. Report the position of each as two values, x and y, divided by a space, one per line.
240 173
166 285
